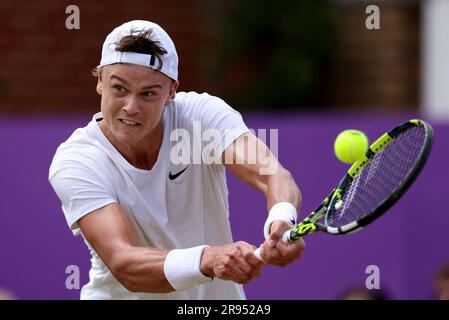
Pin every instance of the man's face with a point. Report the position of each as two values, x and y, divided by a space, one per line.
133 98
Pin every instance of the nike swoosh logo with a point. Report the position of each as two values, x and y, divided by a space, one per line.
293 221
174 176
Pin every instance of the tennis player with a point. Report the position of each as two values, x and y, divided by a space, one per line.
157 222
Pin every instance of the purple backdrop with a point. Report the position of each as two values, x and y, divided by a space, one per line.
407 244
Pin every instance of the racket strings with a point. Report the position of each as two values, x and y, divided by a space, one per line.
379 179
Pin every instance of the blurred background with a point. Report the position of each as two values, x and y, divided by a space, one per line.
308 69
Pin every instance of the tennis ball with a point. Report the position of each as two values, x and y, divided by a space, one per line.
350 145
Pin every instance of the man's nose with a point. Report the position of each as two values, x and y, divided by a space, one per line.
132 106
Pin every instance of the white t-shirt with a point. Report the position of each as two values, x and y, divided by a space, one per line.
167 209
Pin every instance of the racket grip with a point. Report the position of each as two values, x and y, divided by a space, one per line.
257 253
285 239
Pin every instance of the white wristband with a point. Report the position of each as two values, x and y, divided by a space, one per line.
284 211
182 268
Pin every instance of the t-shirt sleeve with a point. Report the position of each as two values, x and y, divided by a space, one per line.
218 122
80 190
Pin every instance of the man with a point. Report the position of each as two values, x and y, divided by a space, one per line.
441 283
155 220
362 293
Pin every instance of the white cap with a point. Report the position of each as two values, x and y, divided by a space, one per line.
109 55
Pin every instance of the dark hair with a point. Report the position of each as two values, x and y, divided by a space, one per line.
138 43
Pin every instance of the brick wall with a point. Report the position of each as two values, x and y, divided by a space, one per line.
45 67
377 69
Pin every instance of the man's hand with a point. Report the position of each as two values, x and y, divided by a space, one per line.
235 262
275 252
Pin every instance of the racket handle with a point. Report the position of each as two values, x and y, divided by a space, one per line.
285 239
257 253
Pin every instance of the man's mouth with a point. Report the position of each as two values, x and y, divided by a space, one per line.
129 122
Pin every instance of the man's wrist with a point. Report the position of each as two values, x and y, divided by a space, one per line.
284 211
182 268
206 266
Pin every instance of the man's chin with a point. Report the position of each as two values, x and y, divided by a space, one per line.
127 139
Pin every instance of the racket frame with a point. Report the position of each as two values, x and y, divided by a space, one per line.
310 224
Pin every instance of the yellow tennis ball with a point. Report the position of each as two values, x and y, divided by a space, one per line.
350 145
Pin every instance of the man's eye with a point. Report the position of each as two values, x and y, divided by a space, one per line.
148 94
119 88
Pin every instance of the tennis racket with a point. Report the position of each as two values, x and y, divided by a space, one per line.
372 184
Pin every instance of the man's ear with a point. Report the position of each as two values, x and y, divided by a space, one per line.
171 95
99 85
98 73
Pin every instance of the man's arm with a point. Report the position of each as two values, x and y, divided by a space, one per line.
277 186
109 231
141 269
